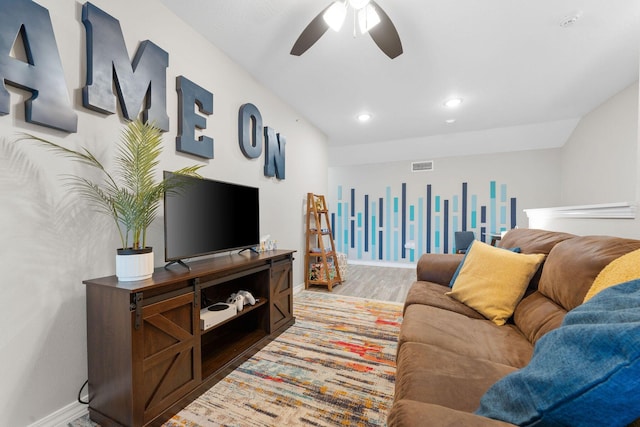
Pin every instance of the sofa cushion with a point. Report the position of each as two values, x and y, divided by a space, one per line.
431 374
572 266
479 338
437 268
620 270
536 315
433 294
533 241
409 413
582 374
492 281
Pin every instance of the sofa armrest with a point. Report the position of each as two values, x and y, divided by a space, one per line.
438 268
411 413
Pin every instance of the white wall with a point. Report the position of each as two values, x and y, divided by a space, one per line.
51 241
600 167
599 159
531 136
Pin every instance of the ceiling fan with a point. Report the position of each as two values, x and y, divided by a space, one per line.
370 17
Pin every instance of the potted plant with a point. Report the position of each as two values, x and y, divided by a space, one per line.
131 200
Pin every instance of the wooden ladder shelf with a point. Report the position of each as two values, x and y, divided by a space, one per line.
321 262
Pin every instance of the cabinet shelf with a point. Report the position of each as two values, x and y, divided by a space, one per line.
232 344
148 332
323 232
246 310
319 254
323 282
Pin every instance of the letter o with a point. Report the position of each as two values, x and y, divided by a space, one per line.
250 131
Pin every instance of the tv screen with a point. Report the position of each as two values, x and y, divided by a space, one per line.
204 216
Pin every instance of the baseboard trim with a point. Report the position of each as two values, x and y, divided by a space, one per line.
63 416
298 288
382 263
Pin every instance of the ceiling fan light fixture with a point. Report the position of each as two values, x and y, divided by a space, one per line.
358 4
368 18
335 15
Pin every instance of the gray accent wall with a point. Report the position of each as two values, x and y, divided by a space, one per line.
422 210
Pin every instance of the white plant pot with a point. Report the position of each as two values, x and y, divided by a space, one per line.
134 264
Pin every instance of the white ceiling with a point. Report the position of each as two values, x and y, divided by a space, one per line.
510 60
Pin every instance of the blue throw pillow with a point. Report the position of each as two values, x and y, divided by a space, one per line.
455 275
457 272
585 373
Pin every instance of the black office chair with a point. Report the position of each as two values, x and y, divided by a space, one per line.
462 240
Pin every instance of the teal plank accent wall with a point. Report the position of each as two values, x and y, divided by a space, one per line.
395 226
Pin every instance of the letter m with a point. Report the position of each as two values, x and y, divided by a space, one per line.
141 83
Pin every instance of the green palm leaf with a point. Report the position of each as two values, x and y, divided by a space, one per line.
133 200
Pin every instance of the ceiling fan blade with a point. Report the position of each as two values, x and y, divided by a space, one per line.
385 34
311 34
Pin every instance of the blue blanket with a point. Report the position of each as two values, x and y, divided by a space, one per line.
585 373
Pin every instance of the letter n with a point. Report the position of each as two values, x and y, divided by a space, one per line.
42 72
274 153
141 83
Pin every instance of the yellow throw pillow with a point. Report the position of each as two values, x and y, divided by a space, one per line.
492 281
620 270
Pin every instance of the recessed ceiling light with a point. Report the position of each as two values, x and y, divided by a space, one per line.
452 102
450 121
363 117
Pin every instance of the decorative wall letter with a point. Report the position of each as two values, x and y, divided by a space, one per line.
42 75
137 83
250 131
189 94
274 153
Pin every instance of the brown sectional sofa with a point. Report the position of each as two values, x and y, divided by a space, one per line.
449 354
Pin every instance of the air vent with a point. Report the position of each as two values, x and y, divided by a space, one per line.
422 166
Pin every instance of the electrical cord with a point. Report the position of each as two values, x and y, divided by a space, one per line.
80 392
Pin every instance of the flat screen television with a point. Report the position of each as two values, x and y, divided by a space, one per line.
205 216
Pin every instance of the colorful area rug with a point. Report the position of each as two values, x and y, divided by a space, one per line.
335 366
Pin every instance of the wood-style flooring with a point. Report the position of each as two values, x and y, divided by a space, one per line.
374 282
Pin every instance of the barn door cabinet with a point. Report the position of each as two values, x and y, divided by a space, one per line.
147 355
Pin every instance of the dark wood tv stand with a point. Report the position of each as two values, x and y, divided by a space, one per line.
147 355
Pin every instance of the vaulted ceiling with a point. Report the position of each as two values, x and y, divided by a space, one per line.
513 62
